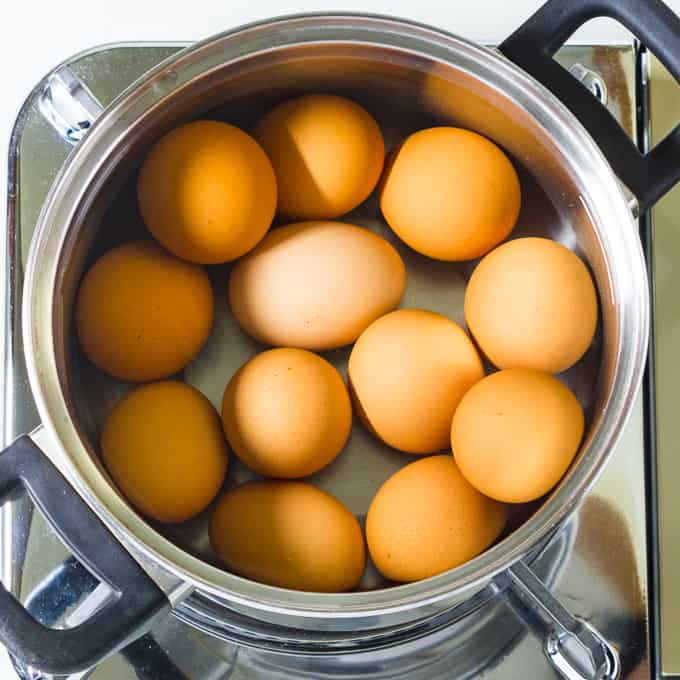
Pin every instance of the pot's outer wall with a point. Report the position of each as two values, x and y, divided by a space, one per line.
614 486
518 113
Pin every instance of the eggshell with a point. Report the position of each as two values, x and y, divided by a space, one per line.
143 314
288 534
531 303
286 413
450 193
515 433
408 371
164 448
315 285
327 153
426 519
207 192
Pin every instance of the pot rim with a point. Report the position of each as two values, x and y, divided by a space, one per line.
86 168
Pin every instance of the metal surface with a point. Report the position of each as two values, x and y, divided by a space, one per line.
590 79
665 237
575 649
610 526
68 105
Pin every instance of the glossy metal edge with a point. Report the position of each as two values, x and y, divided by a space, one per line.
15 517
41 274
649 381
661 237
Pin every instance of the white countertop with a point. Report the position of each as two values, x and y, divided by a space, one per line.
35 36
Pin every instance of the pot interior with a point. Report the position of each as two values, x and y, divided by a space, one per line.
404 91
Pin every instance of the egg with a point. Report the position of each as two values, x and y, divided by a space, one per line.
288 534
450 193
408 371
327 154
207 192
531 303
163 446
286 413
426 518
143 314
515 433
315 285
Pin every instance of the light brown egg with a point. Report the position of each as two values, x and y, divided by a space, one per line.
286 413
289 534
426 519
163 446
408 371
531 303
143 314
327 153
315 285
207 192
515 433
450 193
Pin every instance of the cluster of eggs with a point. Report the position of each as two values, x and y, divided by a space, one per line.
208 193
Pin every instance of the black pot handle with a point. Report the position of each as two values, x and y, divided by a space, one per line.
532 46
136 601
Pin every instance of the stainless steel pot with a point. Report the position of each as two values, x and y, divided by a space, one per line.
413 74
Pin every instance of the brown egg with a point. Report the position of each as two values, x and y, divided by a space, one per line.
532 304
315 285
327 153
289 534
450 194
408 371
286 413
207 192
143 314
426 518
164 448
515 433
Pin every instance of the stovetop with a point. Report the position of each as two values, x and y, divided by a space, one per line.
597 566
